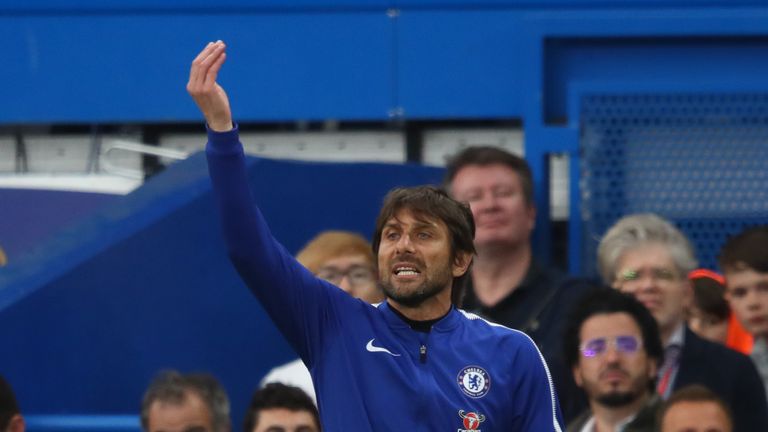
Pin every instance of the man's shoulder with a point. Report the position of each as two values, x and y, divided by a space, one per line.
713 352
699 356
578 423
573 287
482 327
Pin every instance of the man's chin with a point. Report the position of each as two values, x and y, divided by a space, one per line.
409 297
617 399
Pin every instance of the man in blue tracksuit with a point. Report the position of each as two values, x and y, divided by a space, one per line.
412 363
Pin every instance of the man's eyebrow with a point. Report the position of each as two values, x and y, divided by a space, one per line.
424 224
392 224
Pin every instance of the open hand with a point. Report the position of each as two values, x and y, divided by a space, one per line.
208 95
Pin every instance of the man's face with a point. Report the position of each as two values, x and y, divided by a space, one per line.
191 415
284 420
415 261
747 292
618 375
495 195
354 274
699 416
650 275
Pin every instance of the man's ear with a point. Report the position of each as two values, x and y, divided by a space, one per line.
576 371
461 263
531 216
16 424
653 369
689 293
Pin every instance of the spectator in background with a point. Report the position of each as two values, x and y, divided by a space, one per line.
695 408
3 258
344 259
646 256
508 285
613 347
10 415
183 403
281 408
744 260
711 312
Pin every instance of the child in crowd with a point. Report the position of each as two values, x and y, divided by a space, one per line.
710 314
744 261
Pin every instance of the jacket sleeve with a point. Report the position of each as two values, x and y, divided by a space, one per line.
297 302
537 408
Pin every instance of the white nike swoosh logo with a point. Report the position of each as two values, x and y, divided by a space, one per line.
371 348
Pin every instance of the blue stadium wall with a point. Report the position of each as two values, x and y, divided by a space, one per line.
120 61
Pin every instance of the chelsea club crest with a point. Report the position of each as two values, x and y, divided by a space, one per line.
474 381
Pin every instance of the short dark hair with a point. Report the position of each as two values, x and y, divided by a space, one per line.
605 300
431 202
709 297
694 393
278 395
8 405
746 250
489 155
172 387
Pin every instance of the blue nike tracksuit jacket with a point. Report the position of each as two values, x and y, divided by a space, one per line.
371 371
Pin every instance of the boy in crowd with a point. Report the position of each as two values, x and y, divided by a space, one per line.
744 261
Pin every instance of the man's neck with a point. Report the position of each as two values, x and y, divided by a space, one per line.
498 271
669 331
432 308
607 418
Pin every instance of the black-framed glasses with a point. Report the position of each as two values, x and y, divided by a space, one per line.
626 344
358 275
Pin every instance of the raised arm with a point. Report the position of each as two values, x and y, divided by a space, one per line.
297 302
207 93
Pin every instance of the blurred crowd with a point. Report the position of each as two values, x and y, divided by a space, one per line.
657 344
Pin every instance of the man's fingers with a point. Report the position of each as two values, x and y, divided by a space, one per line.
194 71
211 54
204 53
213 71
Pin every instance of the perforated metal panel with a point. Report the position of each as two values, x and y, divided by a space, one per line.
700 160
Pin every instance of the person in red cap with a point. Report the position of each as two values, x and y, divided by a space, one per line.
710 315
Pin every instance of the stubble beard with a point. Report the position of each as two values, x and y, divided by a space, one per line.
618 399
417 296
414 298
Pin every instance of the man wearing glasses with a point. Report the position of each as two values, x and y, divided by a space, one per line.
344 259
649 258
613 347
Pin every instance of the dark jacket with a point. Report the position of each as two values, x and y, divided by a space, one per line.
644 421
729 374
